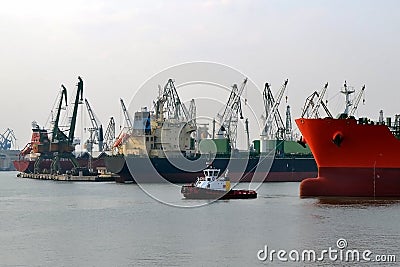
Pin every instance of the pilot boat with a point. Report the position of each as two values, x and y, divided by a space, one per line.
213 186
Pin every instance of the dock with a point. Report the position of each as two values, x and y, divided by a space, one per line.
71 178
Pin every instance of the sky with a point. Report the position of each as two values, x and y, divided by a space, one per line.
115 46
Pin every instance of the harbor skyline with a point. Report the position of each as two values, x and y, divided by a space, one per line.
116 47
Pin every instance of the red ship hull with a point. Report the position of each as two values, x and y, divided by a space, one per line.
353 159
27 166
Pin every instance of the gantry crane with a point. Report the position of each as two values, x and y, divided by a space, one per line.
96 131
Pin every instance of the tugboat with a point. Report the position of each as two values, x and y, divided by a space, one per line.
211 186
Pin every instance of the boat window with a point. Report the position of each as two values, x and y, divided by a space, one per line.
208 179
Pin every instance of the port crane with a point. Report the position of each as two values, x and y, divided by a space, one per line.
62 148
7 139
109 136
313 104
96 131
228 120
272 114
57 134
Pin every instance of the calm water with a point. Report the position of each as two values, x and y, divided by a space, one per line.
45 223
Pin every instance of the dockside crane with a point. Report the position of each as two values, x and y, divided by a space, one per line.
271 106
63 148
228 120
78 100
96 131
57 134
7 139
109 136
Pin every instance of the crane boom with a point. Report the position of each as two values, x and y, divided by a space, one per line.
229 118
273 111
78 100
109 136
321 95
357 101
97 128
314 105
7 139
126 114
269 102
57 134
176 109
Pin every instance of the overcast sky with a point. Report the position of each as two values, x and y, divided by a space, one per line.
116 45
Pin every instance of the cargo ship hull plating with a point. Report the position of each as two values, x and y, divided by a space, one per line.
244 170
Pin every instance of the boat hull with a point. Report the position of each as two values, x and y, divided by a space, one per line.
193 192
240 170
353 182
28 166
353 159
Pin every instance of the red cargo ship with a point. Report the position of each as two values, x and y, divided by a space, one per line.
355 158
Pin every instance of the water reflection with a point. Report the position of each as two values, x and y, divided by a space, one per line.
349 201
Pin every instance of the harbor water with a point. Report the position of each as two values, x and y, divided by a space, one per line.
53 223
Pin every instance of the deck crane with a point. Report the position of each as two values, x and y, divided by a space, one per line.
272 113
96 131
126 131
128 119
314 111
175 108
232 112
357 101
311 103
7 139
109 136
